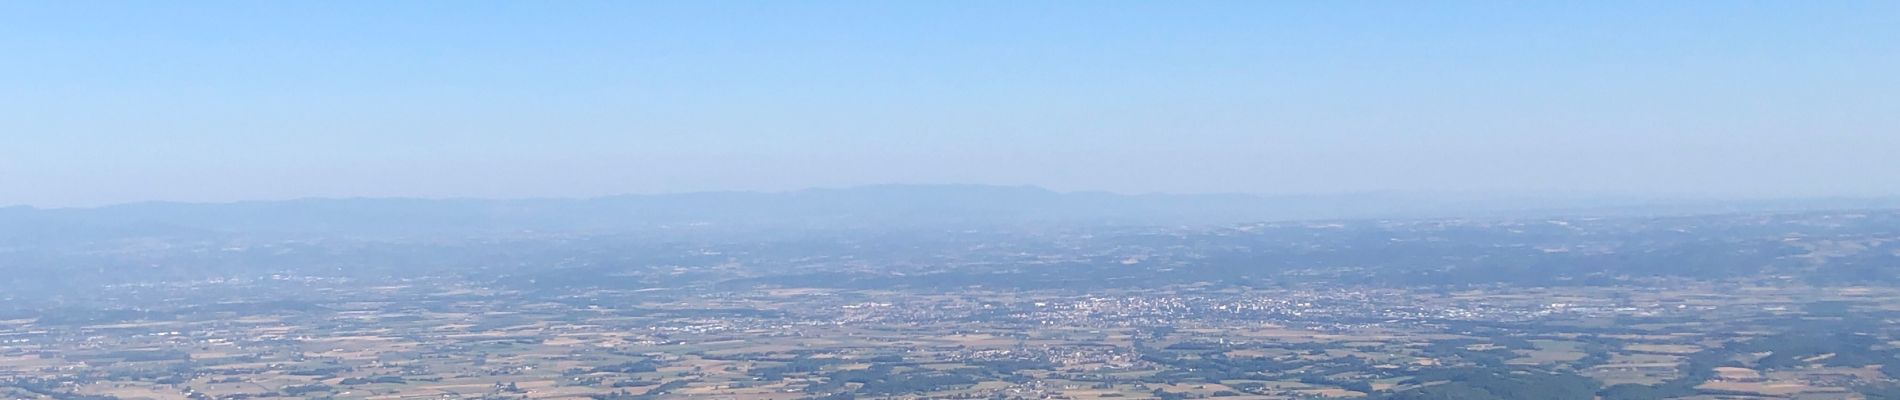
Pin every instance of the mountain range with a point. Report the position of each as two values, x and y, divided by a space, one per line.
854 207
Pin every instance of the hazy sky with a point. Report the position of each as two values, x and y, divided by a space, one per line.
104 102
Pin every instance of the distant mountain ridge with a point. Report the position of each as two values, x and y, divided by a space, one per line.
864 206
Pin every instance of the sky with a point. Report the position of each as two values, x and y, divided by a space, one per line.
106 102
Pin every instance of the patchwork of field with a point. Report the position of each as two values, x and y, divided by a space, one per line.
471 342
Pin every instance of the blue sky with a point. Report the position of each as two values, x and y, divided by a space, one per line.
105 102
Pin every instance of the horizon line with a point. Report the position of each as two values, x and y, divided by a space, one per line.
1445 195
